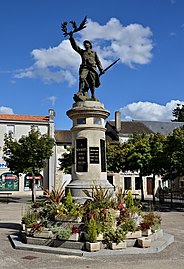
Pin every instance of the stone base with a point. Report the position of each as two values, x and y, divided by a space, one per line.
78 186
43 234
120 245
146 232
136 234
144 242
90 161
92 246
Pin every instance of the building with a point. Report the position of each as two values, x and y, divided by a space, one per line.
20 125
63 140
120 131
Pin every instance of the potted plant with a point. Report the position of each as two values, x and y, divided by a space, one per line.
114 238
62 232
92 244
38 230
75 234
69 210
29 219
133 207
145 228
130 228
150 221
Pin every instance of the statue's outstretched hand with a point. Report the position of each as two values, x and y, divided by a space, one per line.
102 72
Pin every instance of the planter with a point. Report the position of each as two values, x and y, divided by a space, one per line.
144 242
120 245
146 232
136 234
92 246
74 237
43 234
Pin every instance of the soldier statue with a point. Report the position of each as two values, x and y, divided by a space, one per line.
89 78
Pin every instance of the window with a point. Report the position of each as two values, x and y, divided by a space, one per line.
9 182
127 183
97 121
28 182
137 183
11 129
81 121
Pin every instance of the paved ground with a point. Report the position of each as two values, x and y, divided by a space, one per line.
10 216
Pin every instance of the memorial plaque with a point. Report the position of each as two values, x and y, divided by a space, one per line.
103 155
81 155
94 154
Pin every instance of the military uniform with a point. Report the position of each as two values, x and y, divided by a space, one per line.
88 74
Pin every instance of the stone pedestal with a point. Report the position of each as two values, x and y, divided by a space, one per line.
88 145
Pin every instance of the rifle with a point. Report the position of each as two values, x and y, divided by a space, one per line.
110 66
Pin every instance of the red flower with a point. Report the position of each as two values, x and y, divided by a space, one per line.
75 229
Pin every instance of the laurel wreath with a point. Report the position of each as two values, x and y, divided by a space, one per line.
74 26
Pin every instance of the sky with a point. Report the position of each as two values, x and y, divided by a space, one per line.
39 69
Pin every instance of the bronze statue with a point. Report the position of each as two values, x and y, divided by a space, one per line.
88 73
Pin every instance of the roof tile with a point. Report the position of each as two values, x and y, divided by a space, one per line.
63 136
19 117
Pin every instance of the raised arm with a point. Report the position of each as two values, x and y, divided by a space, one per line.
74 44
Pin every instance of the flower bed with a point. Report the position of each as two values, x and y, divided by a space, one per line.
102 218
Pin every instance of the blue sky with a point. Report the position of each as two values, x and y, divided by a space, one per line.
39 70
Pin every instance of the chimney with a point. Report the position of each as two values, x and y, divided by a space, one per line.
118 121
52 114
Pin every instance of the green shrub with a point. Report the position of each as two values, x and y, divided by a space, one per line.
92 230
114 236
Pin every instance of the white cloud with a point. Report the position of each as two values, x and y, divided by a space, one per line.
131 43
52 99
6 110
172 34
149 111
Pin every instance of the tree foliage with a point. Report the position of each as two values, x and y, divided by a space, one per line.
178 113
174 153
115 154
138 156
29 154
66 161
157 162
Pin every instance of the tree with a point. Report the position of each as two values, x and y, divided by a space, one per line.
174 152
174 156
157 160
115 154
138 156
29 154
66 161
178 113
